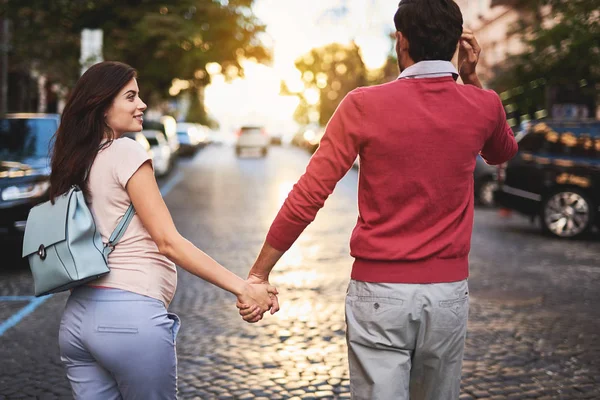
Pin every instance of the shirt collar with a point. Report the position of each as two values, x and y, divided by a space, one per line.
430 69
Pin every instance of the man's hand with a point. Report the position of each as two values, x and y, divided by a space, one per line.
468 57
252 313
259 275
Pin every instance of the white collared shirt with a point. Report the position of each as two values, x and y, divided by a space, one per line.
430 69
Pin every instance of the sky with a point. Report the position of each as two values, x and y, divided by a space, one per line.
293 28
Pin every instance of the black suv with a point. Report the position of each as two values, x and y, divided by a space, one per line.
24 168
555 176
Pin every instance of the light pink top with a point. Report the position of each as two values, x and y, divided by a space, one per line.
135 265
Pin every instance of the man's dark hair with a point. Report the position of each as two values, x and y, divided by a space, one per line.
432 28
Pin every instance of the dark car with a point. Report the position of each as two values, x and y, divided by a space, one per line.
555 176
24 168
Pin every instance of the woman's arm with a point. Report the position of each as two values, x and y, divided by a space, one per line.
152 211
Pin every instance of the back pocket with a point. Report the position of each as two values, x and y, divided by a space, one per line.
451 314
373 308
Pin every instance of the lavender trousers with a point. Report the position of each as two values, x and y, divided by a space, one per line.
118 345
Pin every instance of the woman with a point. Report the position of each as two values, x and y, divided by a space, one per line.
116 338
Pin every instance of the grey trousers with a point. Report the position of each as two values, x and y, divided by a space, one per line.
118 345
406 341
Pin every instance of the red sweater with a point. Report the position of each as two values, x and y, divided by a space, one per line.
417 140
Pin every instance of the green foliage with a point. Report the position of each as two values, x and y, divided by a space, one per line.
562 49
334 70
163 40
390 70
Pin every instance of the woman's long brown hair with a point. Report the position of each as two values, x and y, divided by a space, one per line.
82 127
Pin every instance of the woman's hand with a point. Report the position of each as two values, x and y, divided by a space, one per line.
257 298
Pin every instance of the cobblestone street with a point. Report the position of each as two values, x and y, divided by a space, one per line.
534 321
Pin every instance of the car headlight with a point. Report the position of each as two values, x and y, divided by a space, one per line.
25 191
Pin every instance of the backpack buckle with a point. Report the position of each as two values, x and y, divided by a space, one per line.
42 252
109 245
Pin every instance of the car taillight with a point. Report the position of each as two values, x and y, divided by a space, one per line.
238 133
263 132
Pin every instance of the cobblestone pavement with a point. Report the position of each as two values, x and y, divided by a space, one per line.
534 328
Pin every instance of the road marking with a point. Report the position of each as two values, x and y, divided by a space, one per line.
25 311
171 183
35 302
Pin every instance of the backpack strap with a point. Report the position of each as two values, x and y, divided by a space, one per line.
119 231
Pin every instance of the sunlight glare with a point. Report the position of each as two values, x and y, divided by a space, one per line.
312 96
284 189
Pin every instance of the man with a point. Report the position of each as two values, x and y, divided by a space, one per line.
417 138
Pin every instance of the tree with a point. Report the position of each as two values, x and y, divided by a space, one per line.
389 71
562 54
163 40
329 73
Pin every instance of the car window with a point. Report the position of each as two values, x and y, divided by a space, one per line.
153 141
570 140
154 125
531 142
251 129
160 136
26 137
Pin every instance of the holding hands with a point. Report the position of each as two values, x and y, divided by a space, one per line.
258 298
251 310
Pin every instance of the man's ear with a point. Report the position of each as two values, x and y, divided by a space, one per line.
402 41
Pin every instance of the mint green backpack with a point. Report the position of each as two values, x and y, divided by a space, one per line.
63 246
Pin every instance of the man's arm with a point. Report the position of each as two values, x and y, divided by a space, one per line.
472 80
332 160
468 57
501 145
336 153
265 262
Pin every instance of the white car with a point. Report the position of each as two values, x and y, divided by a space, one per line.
187 134
161 151
252 137
168 126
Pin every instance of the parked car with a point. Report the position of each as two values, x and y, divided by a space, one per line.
217 137
25 141
555 176
141 139
276 138
252 137
189 138
160 150
204 135
309 137
168 126
485 183
298 138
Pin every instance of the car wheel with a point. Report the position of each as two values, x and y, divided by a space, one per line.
264 152
238 151
567 213
485 193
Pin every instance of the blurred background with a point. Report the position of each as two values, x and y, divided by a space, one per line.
227 63
239 94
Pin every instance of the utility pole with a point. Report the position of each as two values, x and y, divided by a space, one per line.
91 48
